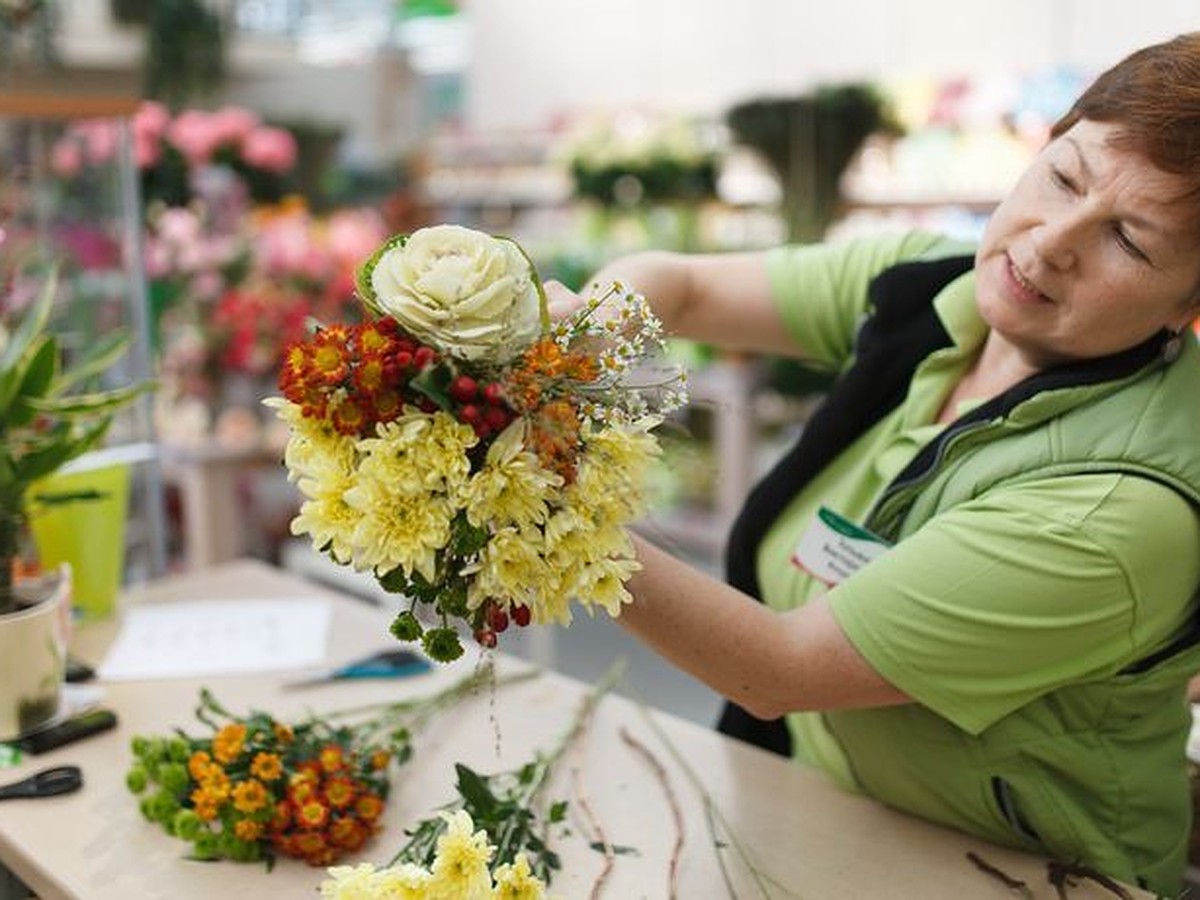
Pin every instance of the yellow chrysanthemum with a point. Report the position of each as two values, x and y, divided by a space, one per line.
407 881
510 565
325 515
517 882
393 530
512 487
419 453
611 479
311 441
460 868
351 883
602 583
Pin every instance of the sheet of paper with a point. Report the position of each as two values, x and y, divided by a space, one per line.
218 637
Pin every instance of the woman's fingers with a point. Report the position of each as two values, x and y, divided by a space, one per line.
560 300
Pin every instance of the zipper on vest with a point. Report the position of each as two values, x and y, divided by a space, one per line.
884 518
1006 803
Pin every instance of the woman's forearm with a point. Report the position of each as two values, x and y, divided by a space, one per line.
768 662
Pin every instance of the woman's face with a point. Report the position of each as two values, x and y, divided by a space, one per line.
1088 255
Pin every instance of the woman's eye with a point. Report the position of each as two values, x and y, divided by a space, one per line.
1062 179
1126 244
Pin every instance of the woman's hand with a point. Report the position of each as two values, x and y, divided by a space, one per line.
561 300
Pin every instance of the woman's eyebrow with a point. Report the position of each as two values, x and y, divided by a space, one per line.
1139 222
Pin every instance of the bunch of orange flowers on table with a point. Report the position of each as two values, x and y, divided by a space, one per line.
475 457
257 787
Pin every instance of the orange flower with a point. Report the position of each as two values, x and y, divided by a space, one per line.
227 743
199 764
216 781
350 418
368 807
312 847
369 377
348 833
247 830
281 818
312 813
267 766
581 367
373 340
340 791
207 805
545 357
332 758
250 796
283 733
380 759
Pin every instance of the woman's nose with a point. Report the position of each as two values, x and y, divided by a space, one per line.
1055 241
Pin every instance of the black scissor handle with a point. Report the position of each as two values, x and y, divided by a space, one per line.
46 783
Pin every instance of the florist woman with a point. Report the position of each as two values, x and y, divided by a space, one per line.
1004 646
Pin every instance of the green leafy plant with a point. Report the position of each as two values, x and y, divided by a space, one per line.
49 414
808 141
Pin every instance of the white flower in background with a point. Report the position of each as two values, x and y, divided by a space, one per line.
464 292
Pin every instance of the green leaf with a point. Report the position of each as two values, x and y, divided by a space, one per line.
476 793
37 373
32 324
558 811
55 451
362 278
97 359
394 582
618 849
90 404
434 383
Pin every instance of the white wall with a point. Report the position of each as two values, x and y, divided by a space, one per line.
535 59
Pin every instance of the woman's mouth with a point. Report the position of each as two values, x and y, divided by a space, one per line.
1021 287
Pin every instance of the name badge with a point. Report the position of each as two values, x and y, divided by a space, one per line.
833 548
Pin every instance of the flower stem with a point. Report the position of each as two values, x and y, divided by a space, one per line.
714 814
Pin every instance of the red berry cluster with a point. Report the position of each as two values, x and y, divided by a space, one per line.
494 619
482 406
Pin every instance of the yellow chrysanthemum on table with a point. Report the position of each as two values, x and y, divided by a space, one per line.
459 872
478 459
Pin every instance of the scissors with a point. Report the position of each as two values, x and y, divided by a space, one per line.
46 783
383 664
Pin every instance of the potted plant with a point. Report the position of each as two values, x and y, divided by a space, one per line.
48 417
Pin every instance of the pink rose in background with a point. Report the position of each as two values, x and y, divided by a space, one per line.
99 139
231 125
192 132
353 235
66 157
271 149
151 119
285 245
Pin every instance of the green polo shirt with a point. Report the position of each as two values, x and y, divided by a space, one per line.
1000 601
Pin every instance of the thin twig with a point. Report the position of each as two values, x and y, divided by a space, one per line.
715 812
1060 874
676 813
987 868
589 817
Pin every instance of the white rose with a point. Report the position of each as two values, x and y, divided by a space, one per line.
463 292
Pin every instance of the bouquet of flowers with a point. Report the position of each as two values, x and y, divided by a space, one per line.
474 456
257 786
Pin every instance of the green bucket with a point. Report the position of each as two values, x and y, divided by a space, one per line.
86 529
